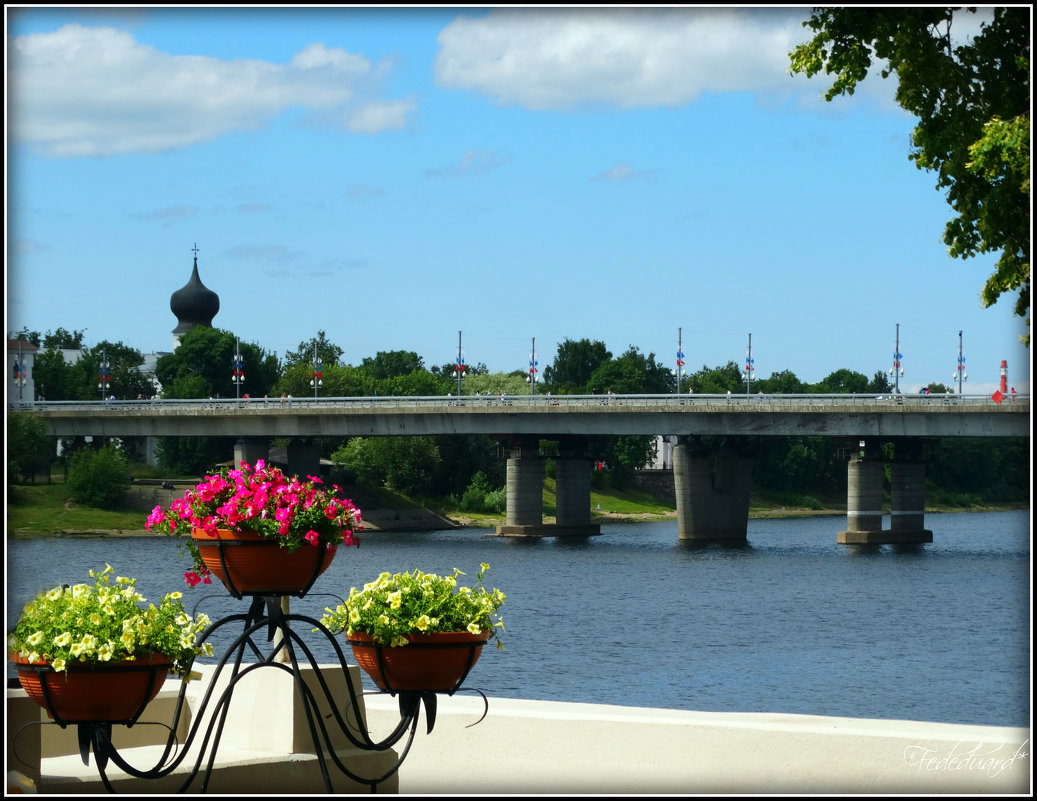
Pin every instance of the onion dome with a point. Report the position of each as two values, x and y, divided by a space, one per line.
193 304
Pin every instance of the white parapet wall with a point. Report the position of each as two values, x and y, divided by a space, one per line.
538 747
542 747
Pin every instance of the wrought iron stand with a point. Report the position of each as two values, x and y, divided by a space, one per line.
264 617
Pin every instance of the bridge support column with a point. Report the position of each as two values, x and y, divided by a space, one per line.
573 498
249 450
303 460
864 499
712 490
524 487
907 493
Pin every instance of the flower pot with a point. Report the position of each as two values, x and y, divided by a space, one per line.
428 663
113 692
249 564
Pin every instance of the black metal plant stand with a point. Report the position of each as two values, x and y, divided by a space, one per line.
265 619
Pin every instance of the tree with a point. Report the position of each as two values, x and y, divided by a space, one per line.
30 446
208 354
99 478
574 363
782 383
330 354
716 381
842 381
389 364
972 101
632 373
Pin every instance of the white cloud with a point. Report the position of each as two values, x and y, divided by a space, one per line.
94 91
627 58
547 59
473 162
622 171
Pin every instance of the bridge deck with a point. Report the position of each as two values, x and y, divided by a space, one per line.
543 415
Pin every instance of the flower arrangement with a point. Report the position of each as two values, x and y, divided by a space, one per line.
103 622
394 606
263 500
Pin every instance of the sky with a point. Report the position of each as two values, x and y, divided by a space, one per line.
405 178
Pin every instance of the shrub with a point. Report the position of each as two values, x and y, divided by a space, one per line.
99 478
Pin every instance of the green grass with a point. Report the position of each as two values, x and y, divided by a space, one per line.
37 509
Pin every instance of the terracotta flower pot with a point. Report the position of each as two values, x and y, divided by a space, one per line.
114 692
250 564
428 663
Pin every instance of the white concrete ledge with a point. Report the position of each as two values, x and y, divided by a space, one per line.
540 747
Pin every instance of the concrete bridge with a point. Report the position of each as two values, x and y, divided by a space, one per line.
712 461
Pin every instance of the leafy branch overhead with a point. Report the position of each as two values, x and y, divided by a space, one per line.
972 100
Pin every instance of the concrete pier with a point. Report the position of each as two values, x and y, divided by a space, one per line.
864 497
712 491
524 516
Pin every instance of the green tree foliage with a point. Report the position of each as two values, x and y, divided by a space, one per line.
61 338
492 384
974 469
632 373
30 446
972 100
405 464
842 381
782 383
393 363
880 383
208 354
717 380
329 353
193 456
56 379
575 361
99 478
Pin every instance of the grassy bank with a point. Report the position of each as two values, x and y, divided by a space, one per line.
43 509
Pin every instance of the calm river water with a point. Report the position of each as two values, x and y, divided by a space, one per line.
790 622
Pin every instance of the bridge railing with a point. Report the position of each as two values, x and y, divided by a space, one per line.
590 402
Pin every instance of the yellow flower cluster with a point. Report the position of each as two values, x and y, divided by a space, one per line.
392 607
103 622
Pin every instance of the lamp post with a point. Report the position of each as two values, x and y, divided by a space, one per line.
680 361
960 374
459 368
19 371
750 366
238 376
897 369
104 375
318 371
533 368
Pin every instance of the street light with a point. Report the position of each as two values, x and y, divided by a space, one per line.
19 371
238 377
318 372
680 361
533 369
897 369
750 366
459 367
104 375
960 374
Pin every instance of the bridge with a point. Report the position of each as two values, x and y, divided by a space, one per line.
712 482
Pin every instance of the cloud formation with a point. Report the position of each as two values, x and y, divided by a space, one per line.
96 91
626 58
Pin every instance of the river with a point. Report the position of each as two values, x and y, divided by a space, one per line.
789 622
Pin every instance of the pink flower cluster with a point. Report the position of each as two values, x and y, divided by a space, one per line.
264 500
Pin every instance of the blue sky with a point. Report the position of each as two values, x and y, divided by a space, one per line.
393 176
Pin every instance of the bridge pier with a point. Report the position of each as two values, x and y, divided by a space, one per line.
524 516
712 490
250 449
907 501
303 460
